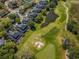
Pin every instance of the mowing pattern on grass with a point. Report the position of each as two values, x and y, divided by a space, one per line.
47 53
51 35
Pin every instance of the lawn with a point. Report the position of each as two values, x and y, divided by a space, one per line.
60 10
47 53
50 37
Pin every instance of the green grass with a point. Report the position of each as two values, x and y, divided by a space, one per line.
60 10
51 35
47 53
24 38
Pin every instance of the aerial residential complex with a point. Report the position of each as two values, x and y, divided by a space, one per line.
39 29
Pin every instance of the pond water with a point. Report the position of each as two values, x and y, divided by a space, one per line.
51 17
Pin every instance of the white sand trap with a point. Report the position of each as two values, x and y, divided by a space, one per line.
39 44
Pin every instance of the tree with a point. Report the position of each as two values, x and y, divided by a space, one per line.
3 1
66 44
30 22
2 33
40 17
44 12
73 53
12 16
1 5
1 27
7 51
17 20
6 22
32 25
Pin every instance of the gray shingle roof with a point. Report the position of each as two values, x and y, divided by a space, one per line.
32 14
14 35
36 10
43 2
1 41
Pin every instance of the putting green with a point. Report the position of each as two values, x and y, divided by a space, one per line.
47 53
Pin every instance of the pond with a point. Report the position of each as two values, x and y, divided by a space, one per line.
50 17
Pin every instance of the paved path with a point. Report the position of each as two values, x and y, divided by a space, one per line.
67 15
66 54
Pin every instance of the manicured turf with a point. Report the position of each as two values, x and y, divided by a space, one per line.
60 10
51 35
47 53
